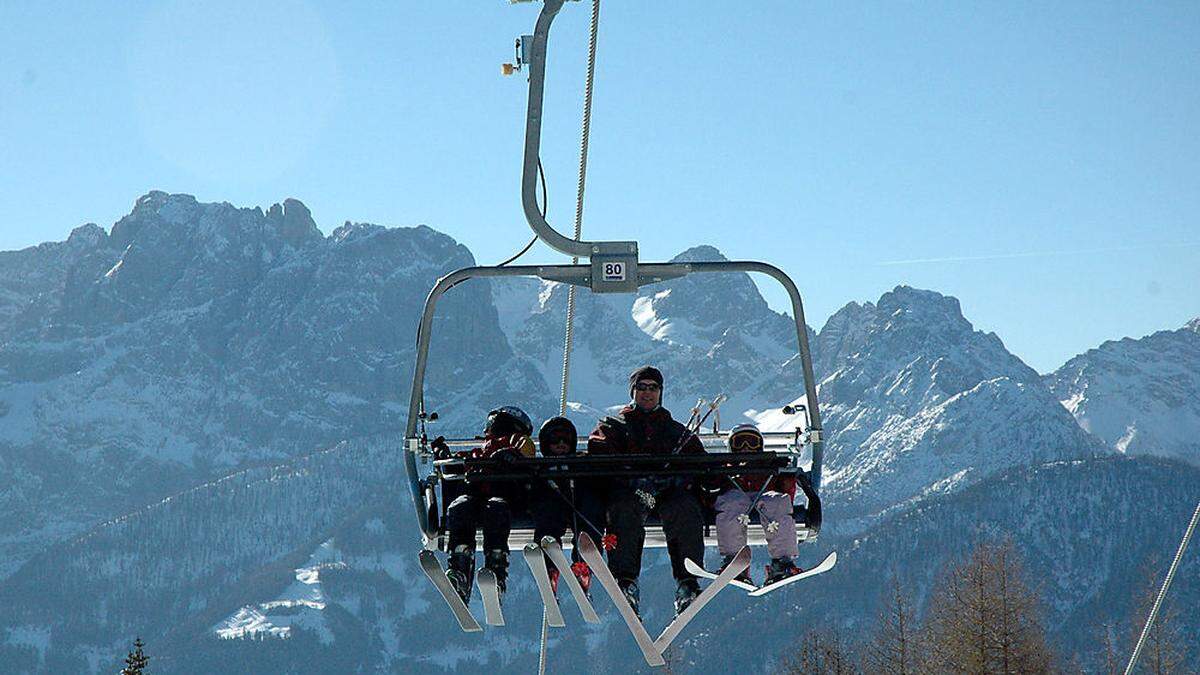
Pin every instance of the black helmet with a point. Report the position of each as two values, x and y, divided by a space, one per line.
508 420
557 427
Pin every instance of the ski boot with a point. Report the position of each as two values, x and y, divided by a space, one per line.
780 569
629 588
685 593
496 560
584 574
744 577
461 572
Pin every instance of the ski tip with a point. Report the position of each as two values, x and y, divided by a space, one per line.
693 567
585 541
529 548
548 541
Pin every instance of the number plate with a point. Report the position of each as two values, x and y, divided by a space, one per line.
614 271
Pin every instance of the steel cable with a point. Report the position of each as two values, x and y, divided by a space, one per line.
568 340
1162 592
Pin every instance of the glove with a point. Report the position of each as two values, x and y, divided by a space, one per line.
507 457
440 449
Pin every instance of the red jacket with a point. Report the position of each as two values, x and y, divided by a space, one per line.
752 483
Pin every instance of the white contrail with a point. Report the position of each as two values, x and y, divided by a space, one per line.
1039 254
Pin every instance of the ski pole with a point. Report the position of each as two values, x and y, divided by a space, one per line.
558 491
757 497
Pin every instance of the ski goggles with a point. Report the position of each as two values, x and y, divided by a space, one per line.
746 443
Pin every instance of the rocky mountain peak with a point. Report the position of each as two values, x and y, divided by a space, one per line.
294 221
350 231
700 307
907 306
703 253
1140 396
909 325
88 235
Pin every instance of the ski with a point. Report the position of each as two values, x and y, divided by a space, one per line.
740 562
826 565
565 575
490 590
433 570
701 572
537 565
587 549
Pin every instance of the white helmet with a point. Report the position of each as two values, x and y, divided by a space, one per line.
745 438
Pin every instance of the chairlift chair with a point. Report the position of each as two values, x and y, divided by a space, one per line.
611 267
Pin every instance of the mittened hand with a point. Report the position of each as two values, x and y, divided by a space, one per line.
440 449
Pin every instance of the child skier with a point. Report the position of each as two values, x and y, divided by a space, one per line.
558 504
487 505
774 506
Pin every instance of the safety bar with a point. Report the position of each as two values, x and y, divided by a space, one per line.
633 465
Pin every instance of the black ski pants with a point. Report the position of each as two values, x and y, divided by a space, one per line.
469 512
682 522
550 506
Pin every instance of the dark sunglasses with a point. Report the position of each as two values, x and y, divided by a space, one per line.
744 442
561 440
647 386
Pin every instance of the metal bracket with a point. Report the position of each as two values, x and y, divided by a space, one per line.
614 267
617 271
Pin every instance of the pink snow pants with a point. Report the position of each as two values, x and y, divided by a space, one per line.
772 507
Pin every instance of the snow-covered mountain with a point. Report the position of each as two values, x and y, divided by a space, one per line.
917 402
710 334
195 339
176 395
1140 396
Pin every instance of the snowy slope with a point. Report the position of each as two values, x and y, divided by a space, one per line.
1141 396
300 606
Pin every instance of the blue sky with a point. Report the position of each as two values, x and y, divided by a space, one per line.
1042 164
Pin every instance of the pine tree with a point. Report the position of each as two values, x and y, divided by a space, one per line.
984 619
1108 645
136 661
821 653
896 648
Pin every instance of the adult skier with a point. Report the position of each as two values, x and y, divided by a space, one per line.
644 426
772 497
487 505
558 504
